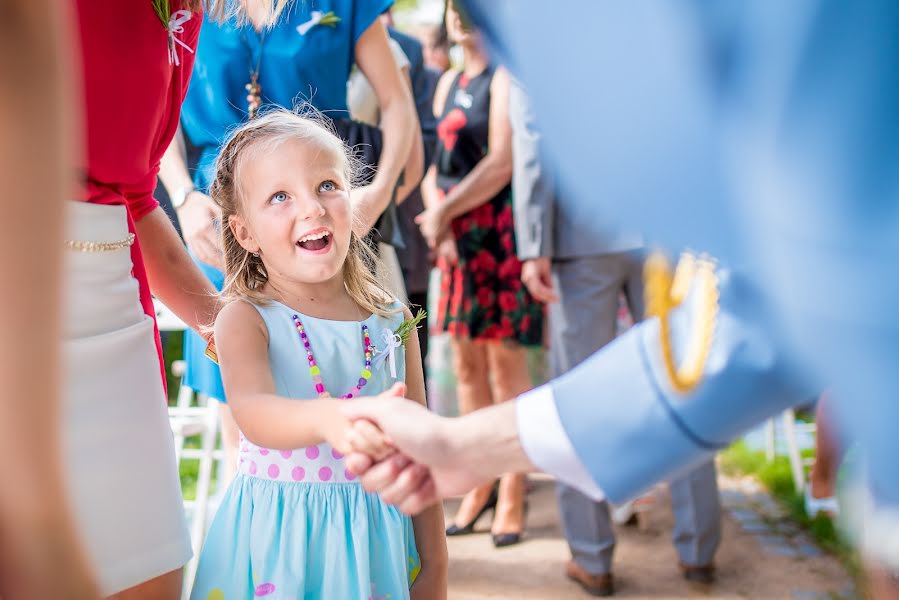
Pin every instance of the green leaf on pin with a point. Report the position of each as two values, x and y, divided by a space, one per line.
409 325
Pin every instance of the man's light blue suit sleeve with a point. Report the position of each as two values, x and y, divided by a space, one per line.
618 407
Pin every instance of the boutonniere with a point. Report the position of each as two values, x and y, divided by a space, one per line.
396 339
173 23
317 17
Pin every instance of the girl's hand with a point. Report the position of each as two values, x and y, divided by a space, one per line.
367 438
433 224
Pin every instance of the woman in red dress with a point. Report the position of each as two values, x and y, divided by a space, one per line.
119 475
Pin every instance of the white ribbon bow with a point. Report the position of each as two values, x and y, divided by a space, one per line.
312 22
392 343
176 25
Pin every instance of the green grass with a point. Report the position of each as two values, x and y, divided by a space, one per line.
777 477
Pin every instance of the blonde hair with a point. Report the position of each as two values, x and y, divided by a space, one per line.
245 273
223 10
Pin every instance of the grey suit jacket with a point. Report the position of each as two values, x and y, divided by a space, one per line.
541 227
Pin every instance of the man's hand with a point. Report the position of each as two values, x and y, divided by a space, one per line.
536 274
428 465
198 217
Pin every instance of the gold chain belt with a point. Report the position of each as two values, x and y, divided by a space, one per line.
80 246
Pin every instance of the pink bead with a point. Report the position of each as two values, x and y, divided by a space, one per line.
264 589
320 388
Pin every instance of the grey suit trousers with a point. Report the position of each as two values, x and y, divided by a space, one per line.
581 322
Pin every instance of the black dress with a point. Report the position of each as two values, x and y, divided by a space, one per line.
481 297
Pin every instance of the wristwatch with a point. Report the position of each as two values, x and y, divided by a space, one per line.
180 195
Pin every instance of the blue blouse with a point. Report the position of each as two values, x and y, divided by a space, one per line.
297 64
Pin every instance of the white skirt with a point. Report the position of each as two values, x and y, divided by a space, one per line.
118 450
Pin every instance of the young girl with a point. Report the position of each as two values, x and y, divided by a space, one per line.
306 324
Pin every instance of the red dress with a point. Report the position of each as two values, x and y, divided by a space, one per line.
132 98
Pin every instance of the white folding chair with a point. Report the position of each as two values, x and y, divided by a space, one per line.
791 431
193 415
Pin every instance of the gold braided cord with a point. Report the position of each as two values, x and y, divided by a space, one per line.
81 246
665 292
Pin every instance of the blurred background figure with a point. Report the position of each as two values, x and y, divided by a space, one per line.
489 316
580 276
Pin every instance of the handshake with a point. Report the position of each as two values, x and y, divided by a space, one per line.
413 457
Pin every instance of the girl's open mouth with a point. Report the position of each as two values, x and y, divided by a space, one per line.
316 241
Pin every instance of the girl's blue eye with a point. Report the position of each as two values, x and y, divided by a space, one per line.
327 186
278 198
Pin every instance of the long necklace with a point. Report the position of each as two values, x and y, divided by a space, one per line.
315 370
254 89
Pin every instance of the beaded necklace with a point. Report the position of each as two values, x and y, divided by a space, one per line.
315 371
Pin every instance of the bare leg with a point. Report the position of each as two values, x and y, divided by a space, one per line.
164 587
827 457
510 378
473 391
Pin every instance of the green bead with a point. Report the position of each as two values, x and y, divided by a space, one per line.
315 370
366 373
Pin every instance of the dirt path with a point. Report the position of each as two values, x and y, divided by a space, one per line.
761 556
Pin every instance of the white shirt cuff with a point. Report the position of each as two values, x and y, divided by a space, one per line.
547 445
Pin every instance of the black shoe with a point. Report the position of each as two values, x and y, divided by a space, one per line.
704 574
468 528
501 540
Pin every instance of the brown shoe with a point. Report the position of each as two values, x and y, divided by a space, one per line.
596 585
704 574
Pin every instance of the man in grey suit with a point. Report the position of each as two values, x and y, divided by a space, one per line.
581 276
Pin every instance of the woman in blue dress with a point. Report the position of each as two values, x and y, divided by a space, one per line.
307 56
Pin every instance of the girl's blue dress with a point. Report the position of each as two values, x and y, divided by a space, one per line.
295 523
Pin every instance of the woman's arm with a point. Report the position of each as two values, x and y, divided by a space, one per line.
415 165
399 123
173 276
198 213
489 176
430 538
37 148
266 419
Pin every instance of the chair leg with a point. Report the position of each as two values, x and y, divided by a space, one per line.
204 482
789 421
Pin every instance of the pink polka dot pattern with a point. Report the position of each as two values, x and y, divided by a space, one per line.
319 464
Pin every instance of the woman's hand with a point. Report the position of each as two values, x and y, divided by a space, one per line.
200 220
447 249
433 224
